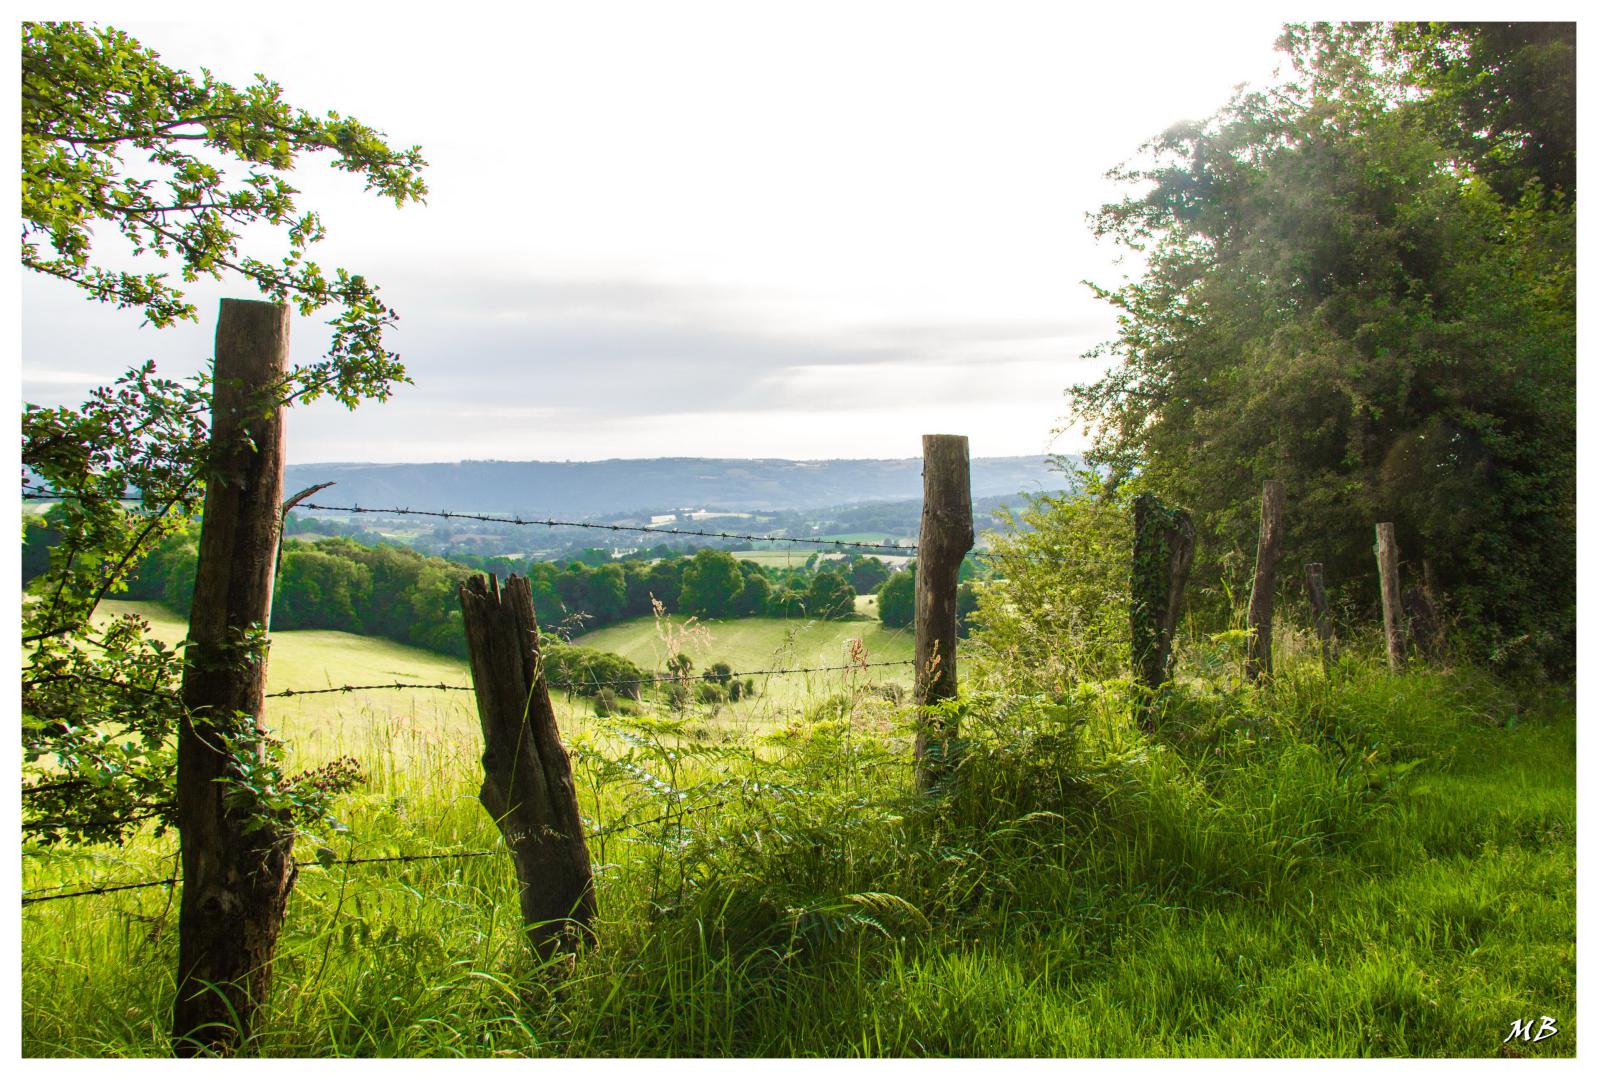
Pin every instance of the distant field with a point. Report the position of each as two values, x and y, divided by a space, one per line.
784 560
761 644
797 557
408 724
424 725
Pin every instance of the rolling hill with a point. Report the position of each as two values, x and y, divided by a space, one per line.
595 487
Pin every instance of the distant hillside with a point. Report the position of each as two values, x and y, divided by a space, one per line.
618 485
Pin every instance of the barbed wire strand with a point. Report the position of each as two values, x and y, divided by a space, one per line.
890 549
585 684
715 534
651 680
596 834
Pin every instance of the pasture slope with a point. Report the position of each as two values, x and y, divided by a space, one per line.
763 644
1350 863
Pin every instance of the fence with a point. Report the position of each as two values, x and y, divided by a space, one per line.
222 961
240 536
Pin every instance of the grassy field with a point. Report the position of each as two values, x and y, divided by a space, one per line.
1356 864
324 726
409 724
764 644
791 558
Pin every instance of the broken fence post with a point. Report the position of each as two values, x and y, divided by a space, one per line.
527 778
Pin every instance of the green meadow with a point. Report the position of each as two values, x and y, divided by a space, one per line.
1338 864
765 644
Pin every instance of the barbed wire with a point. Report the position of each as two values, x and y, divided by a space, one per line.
80 889
714 534
351 688
704 676
97 891
857 545
45 494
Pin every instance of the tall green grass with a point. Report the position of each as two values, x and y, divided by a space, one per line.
1338 864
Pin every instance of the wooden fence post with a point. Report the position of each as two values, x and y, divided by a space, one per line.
237 862
1162 555
1392 605
527 777
947 533
1320 612
1262 600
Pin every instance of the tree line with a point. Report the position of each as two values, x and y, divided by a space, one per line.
389 591
1362 282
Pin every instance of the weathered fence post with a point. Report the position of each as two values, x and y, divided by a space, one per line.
1162 554
237 862
947 533
1320 612
527 777
1392 606
1262 600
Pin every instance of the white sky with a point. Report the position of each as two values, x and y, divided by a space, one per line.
744 230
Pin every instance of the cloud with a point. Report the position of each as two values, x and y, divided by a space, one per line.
37 377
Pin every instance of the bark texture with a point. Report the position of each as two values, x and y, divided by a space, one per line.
1392 603
527 778
237 863
947 534
1262 600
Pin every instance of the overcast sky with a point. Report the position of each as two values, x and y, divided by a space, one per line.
735 230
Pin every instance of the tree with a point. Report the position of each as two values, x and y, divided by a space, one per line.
1502 94
711 582
98 711
965 605
867 573
896 600
830 596
1353 287
755 596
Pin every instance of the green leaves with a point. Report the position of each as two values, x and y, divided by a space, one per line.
91 94
1345 290
115 142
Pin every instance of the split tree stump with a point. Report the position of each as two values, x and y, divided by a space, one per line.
1320 612
527 777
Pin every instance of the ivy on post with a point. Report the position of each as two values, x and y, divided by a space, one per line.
527 777
947 533
1162 554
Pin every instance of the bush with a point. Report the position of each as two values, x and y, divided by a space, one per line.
896 600
830 596
587 671
1058 612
